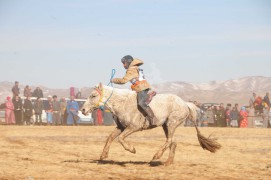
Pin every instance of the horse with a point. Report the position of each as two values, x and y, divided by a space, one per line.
170 110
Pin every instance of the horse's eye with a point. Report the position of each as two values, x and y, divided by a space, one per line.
93 96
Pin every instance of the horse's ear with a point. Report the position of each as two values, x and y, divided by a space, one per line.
100 86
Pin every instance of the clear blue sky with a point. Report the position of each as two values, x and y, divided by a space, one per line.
76 43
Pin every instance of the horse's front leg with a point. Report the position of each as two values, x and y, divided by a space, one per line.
123 135
109 141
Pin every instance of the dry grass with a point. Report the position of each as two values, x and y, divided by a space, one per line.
73 153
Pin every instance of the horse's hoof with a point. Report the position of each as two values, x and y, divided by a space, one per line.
168 163
102 157
133 151
155 158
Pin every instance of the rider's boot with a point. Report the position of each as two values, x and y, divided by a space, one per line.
151 117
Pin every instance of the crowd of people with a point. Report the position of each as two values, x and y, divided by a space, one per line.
220 116
58 112
62 112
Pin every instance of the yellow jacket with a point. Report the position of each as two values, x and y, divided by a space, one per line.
133 73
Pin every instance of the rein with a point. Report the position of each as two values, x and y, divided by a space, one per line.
101 92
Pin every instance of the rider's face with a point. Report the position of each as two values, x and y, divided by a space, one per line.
125 65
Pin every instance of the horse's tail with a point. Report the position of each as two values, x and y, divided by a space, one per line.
209 143
193 111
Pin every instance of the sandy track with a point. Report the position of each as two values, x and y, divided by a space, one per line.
73 153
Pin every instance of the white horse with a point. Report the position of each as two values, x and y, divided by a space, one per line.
170 110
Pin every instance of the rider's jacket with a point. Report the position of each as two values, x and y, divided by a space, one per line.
135 75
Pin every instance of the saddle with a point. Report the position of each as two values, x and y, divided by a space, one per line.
151 94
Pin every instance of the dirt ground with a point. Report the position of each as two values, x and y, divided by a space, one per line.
73 152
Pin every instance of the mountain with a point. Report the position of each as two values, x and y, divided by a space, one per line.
230 91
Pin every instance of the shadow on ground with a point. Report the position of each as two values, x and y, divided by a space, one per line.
120 163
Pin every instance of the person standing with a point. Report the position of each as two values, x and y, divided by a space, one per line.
9 114
48 107
63 105
267 100
220 115
27 91
269 118
234 117
72 110
252 100
204 119
251 117
15 89
56 111
210 116
258 106
18 107
79 94
38 93
38 108
266 111
243 115
215 109
28 110
228 115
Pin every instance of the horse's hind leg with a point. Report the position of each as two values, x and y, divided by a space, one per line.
109 140
171 154
169 131
123 135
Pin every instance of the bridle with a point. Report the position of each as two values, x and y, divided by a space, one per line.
101 92
98 105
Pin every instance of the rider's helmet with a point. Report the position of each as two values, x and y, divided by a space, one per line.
127 59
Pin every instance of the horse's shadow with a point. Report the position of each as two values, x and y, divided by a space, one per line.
119 163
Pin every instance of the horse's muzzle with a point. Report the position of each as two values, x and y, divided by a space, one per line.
83 111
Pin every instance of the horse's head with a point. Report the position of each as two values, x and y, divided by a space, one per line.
94 100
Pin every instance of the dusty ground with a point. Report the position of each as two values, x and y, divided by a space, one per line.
73 152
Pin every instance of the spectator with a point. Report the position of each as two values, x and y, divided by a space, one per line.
204 118
63 105
18 107
228 115
236 106
234 117
79 94
251 117
252 100
267 100
27 91
210 116
243 116
48 107
269 118
10 119
215 115
38 108
56 111
72 110
266 116
38 93
221 120
72 91
258 105
15 89
28 110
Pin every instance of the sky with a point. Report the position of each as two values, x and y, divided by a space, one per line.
67 43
